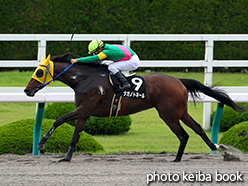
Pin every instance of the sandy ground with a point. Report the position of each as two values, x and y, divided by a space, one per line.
123 169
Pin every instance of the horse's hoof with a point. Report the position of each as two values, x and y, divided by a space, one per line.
176 160
41 146
65 159
221 147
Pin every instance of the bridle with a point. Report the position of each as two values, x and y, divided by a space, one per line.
53 78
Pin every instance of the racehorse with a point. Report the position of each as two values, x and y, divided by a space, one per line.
93 96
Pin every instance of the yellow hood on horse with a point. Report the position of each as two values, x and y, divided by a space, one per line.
44 72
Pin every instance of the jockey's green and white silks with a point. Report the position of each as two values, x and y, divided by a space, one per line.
114 53
123 57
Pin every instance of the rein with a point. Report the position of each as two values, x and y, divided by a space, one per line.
53 78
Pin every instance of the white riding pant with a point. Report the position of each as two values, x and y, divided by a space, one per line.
128 65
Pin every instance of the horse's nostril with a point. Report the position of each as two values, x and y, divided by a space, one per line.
29 92
26 91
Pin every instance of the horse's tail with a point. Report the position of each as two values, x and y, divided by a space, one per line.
194 87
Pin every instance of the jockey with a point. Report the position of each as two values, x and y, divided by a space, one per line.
123 57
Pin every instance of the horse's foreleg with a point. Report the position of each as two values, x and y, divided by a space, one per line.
41 144
71 116
78 129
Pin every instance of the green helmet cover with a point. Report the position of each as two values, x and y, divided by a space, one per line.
95 45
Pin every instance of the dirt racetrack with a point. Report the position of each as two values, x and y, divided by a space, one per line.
123 169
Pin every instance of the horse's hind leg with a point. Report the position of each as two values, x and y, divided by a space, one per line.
77 132
189 121
178 130
182 136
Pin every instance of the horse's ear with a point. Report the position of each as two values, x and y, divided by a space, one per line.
43 62
44 58
47 60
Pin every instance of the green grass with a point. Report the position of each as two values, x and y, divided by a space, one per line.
221 79
19 79
10 112
148 132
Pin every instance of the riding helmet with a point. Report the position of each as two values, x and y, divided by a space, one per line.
95 45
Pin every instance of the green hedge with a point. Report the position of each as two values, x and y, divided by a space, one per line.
17 138
94 125
230 117
57 110
126 17
108 126
237 136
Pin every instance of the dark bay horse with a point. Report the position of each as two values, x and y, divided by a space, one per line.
93 96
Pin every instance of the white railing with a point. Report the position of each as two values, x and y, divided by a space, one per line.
52 97
207 63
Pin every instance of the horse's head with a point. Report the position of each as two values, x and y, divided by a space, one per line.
42 76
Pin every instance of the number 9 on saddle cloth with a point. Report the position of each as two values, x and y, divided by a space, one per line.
137 90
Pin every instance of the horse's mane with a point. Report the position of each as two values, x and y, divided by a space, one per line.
65 58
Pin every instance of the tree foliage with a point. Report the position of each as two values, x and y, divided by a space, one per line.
126 17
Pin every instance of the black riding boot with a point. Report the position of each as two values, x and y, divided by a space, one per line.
123 80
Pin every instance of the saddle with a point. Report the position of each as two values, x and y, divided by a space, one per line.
137 90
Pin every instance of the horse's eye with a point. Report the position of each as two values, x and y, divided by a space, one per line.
39 73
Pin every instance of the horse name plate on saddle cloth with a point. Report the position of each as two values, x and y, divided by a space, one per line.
137 90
